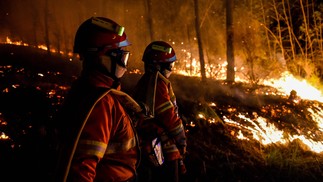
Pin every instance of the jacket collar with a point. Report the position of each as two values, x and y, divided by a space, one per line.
98 79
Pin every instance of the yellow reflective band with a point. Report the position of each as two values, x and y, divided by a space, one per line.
115 147
177 130
120 30
107 25
163 107
170 148
162 48
91 147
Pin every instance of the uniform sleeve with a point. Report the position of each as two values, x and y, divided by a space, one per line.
92 144
166 113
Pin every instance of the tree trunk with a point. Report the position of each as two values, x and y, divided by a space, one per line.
46 17
230 50
199 40
149 19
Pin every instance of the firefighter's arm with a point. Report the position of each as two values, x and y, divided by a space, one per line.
166 113
92 144
178 134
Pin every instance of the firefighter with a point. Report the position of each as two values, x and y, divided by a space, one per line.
99 142
155 91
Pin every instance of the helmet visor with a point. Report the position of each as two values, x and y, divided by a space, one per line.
167 66
120 56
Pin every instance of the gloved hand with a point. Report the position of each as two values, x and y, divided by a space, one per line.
145 109
182 167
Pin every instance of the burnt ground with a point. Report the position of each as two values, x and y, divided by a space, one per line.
214 152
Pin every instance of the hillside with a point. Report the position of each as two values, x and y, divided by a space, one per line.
232 129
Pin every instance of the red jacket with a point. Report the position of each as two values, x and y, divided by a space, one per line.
156 92
100 141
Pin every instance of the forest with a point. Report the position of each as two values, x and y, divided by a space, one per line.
262 38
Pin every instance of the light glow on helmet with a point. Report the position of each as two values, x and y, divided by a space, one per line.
108 25
120 30
172 59
161 48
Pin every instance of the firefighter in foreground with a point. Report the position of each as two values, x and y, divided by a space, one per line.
99 142
155 91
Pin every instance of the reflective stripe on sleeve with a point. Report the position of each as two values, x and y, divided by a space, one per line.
163 107
115 147
169 148
177 130
91 147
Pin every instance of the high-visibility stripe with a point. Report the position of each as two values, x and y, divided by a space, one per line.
91 147
163 107
177 130
108 25
170 148
115 147
68 164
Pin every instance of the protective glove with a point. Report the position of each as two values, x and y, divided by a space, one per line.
145 109
182 167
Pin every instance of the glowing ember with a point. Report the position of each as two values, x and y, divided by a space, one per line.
3 136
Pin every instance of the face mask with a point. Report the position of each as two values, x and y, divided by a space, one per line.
120 70
119 58
167 73
167 68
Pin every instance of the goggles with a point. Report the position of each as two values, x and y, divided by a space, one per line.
120 56
168 66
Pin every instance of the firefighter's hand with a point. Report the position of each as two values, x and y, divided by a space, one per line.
145 109
182 167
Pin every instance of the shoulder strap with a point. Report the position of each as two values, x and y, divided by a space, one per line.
68 156
127 101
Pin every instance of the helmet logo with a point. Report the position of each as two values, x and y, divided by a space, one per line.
107 25
162 48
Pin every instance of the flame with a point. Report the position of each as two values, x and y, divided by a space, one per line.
8 41
259 128
267 133
41 46
287 82
284 84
